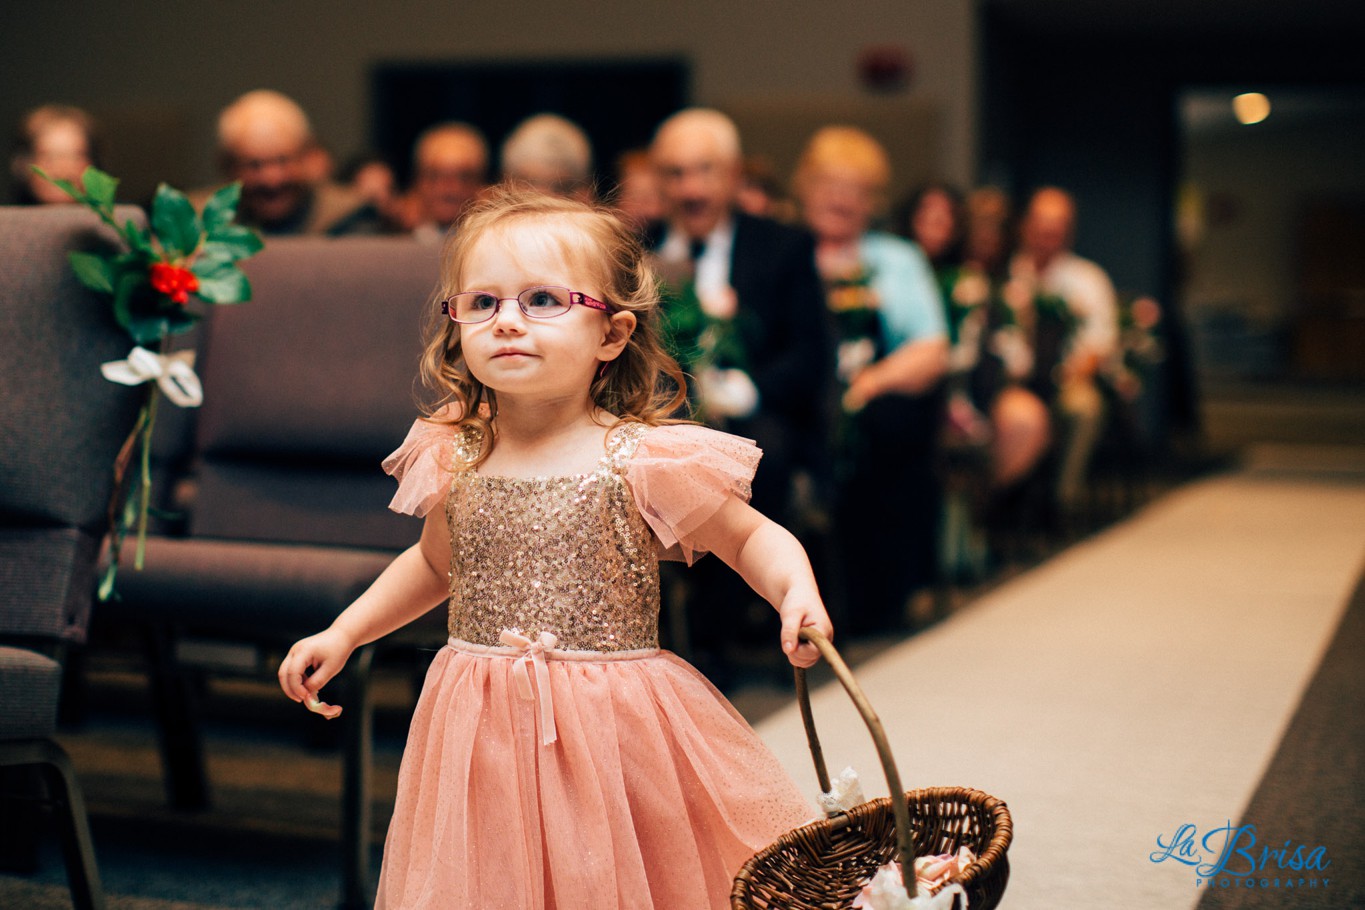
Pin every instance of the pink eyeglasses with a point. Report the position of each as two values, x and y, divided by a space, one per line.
546 302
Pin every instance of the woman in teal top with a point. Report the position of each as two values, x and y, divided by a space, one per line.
893 353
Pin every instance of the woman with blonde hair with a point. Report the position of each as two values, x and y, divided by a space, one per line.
893 352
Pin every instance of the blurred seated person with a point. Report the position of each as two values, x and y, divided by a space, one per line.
988 231
318 164
988 402
372 178
449 170
1085 337
932 218
548 153
265 141
637 195
61 140
892 357
744 314
761 192
745 309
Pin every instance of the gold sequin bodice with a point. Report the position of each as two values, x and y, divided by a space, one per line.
568 555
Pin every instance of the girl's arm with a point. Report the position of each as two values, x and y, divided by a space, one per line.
413 583
776 566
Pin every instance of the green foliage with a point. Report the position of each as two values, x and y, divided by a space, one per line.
175 223
95 272
695 339
182 254
208 246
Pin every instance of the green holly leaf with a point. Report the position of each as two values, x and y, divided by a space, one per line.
125 287
175 222
212 259
221 209
242 242
94 271
66 186
224 284
138 240
99 187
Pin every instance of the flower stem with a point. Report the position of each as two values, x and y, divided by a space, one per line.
145 493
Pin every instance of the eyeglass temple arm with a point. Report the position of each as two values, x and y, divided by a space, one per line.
584 300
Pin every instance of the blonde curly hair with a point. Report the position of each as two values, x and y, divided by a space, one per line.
643 384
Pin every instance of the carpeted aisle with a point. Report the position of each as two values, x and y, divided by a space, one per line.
1136 684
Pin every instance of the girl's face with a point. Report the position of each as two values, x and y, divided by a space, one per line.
516 355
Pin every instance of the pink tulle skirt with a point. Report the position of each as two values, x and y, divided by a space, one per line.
653 794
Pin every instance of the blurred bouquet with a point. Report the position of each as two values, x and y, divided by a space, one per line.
183 255
702 332
1140 346
854 303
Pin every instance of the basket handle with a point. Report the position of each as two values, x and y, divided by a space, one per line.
900 809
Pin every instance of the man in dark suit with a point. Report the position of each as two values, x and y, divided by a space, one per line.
760 275
768 376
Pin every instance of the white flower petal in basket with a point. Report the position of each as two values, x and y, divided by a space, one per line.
845 792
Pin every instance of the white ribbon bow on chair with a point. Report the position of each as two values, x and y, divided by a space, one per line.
174 373
533 653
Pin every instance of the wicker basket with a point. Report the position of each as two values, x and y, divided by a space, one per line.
823 865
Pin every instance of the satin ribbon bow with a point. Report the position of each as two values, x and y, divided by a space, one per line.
533 653
174 373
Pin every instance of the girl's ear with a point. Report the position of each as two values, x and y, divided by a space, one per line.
620 326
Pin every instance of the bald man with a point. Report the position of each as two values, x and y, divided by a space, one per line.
551 154
1046 263
263 140
449 169
774 390
766 273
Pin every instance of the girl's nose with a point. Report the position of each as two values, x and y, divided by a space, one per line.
509 315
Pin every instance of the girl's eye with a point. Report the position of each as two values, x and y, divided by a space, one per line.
541 299
481 302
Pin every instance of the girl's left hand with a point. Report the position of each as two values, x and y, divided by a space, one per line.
797 612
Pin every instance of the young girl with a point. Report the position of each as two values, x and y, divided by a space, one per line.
557 757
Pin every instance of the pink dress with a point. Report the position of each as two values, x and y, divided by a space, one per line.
557 757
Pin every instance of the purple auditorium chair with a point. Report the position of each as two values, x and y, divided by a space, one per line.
61 426
306 388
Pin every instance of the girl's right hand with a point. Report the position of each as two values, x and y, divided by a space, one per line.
310 665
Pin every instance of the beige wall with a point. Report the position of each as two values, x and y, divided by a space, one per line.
161 70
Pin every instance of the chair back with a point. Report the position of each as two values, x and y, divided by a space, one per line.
61 421
307 387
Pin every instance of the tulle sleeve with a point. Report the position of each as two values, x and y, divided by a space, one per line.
423 466
680 475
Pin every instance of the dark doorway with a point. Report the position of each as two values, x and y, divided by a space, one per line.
617 103
1089 97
